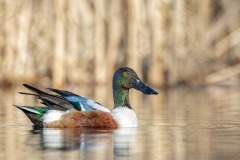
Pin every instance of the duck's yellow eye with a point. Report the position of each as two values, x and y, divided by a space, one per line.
124 74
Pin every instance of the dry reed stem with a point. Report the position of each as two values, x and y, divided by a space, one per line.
59 52
115 32
223 74
227 43
79 42
133 56
100 58
23 56
159 37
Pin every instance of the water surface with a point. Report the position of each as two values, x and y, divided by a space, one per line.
177 124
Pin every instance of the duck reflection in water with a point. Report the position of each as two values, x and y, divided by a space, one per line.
119 141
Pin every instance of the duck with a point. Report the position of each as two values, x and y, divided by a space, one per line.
65 109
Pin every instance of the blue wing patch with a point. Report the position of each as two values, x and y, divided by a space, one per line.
83 103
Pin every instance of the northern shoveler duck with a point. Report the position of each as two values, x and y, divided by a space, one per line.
66 109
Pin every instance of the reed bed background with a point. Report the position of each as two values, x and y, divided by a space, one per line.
167 42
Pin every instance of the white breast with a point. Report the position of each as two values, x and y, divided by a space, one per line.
52 115
125 117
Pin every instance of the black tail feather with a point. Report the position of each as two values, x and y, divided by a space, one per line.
31 94
34 90
55 90
62 92
48 99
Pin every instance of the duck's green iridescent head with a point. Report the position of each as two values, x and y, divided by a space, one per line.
126 78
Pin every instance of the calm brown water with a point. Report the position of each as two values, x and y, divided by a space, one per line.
179 124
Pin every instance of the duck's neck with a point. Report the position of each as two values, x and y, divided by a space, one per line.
120 96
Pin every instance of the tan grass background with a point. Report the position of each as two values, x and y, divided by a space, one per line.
167 42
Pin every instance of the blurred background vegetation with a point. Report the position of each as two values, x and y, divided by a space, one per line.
167 42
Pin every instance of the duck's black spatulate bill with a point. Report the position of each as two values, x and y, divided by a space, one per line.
147 90
139 85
